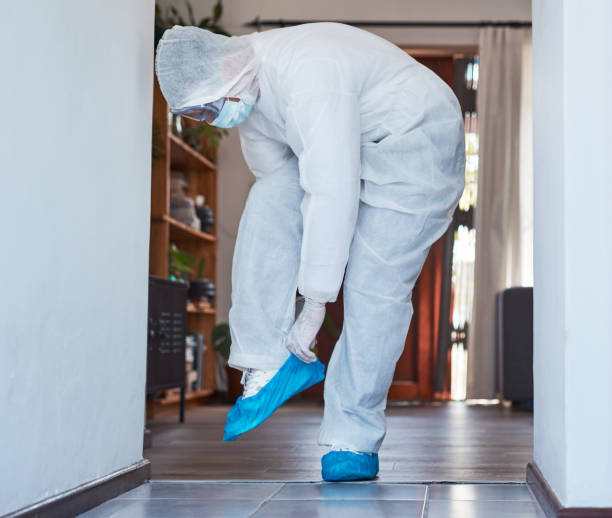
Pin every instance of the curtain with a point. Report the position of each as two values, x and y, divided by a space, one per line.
526 166
500 215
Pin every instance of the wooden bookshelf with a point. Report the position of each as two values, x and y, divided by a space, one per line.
181 232
172 154
208 311
185 157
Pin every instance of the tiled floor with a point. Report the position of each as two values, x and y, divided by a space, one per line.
178 499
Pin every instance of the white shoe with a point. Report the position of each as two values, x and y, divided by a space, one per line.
338 448
254 380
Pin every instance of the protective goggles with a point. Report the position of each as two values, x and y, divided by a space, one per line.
208 111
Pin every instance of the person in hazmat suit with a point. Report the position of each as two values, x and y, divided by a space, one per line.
358 153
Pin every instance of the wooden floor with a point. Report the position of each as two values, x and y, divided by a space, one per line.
432 443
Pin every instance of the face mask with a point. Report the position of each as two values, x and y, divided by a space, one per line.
232 114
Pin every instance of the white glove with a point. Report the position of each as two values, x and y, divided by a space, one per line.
302 336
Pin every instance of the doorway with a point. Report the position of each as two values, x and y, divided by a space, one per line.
428 438
433 364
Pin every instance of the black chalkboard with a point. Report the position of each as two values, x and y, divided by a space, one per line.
166 335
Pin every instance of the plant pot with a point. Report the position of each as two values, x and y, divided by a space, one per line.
202 288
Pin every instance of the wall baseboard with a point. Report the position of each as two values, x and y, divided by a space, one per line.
550 504
87 496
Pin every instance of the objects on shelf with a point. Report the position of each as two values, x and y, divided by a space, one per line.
182 207
202 293
194 361
184 211
202 137
199 137
176 124
204 214
180 264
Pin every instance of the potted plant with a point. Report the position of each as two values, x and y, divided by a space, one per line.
180 264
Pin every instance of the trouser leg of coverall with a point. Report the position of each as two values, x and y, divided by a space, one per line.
382 269
264 271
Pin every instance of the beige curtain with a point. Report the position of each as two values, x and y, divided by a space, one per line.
501 216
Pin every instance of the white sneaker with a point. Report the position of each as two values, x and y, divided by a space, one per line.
254 380
338 448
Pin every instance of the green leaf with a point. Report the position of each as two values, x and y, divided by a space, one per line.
222 339
181 267
183 257
201 267
190 13
217 11
330 327
181 261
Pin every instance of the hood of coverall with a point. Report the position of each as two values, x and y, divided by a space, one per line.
195 66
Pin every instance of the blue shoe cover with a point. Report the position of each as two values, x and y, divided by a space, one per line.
346 465
293 377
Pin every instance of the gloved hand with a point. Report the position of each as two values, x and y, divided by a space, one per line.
302 336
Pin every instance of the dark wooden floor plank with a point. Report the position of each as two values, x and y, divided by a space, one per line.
451 442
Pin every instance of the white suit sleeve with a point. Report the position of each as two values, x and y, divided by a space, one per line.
323 130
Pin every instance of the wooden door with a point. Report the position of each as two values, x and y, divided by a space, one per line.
414 373
413 378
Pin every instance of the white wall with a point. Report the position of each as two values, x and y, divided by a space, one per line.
238 12
549 236
573 249
75 155
234 177
233 185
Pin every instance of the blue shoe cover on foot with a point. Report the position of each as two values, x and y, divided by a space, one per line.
293 377
346 465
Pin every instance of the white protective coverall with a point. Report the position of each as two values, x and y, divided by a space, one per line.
358 152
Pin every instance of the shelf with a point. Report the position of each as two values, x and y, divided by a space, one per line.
184 157
181 232
201 174
199 394
209 311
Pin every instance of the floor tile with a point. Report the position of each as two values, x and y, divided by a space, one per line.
351 491
340 509
480 492
473 509
108 509
203 490
170 508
